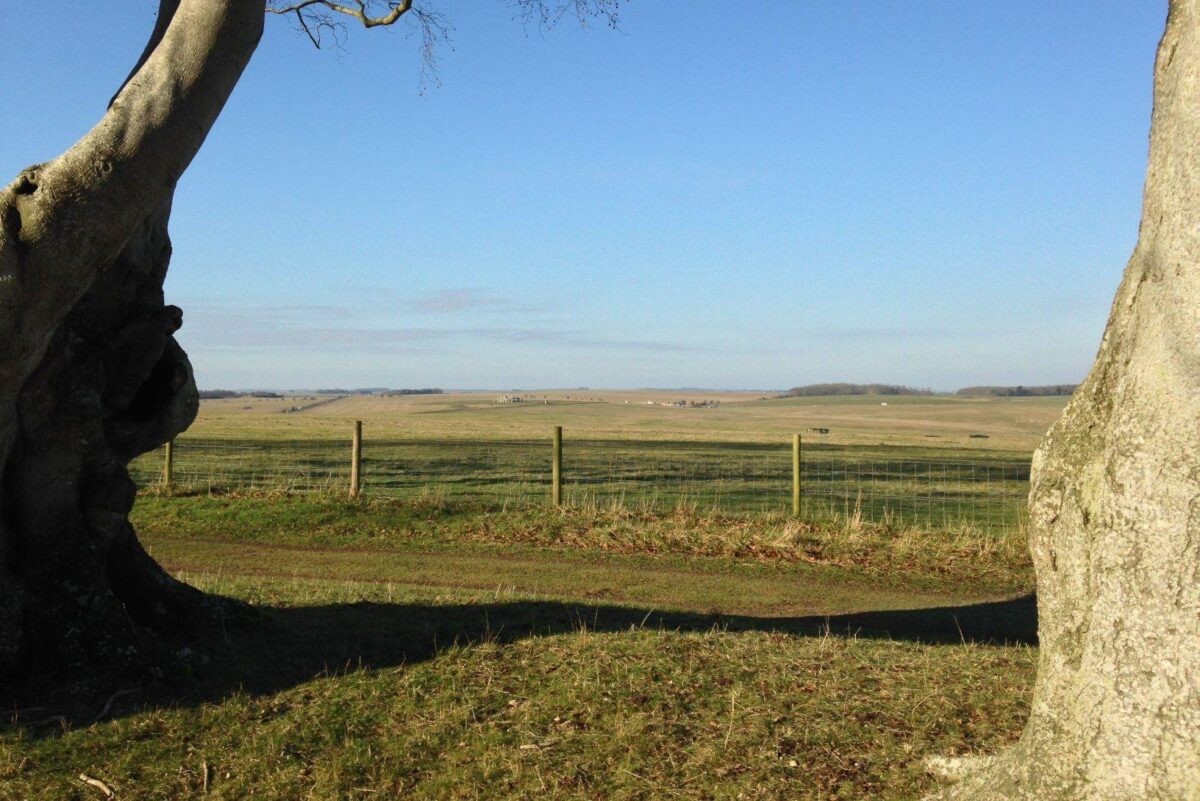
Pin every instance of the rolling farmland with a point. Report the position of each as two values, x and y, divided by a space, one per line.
934 462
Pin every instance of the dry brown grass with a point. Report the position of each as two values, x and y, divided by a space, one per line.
1014 424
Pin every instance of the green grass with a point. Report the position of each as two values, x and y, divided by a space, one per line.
988 563
925 486
643 714
433 649
910 463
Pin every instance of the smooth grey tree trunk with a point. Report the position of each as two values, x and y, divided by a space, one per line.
90 373
1115 510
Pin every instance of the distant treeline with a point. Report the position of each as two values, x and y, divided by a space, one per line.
1018 391
217 394
821 390
378 390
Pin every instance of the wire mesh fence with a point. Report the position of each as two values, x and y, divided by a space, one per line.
875 485
924 492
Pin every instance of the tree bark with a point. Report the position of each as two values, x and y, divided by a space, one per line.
90 373
1115 509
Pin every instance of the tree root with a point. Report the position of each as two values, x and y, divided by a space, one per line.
957 768
1023 772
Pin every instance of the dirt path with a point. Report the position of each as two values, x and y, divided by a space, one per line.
694 585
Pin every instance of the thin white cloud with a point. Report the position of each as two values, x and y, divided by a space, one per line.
319 329
455 300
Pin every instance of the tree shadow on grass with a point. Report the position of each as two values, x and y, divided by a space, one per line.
300 643
292 645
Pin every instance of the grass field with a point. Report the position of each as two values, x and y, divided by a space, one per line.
440 640
434 649
1011 424
883 463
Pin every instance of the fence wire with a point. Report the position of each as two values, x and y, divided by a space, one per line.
920 489
925 492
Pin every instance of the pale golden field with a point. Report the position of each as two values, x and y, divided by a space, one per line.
1011 424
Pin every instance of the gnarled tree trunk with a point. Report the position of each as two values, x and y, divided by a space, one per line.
90 374
1115 510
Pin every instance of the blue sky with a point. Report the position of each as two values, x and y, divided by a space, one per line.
929 193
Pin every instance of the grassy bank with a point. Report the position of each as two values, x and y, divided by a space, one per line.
959 561
435 650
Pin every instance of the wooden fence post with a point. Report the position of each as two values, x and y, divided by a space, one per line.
796 445
169 464
556 469
356 459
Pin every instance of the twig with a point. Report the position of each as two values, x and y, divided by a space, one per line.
732 715
59 719
108 704
99 785
303 24
16 713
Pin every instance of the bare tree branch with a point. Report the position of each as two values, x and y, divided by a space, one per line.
546 15
435 30
316 16
316 40
360 11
